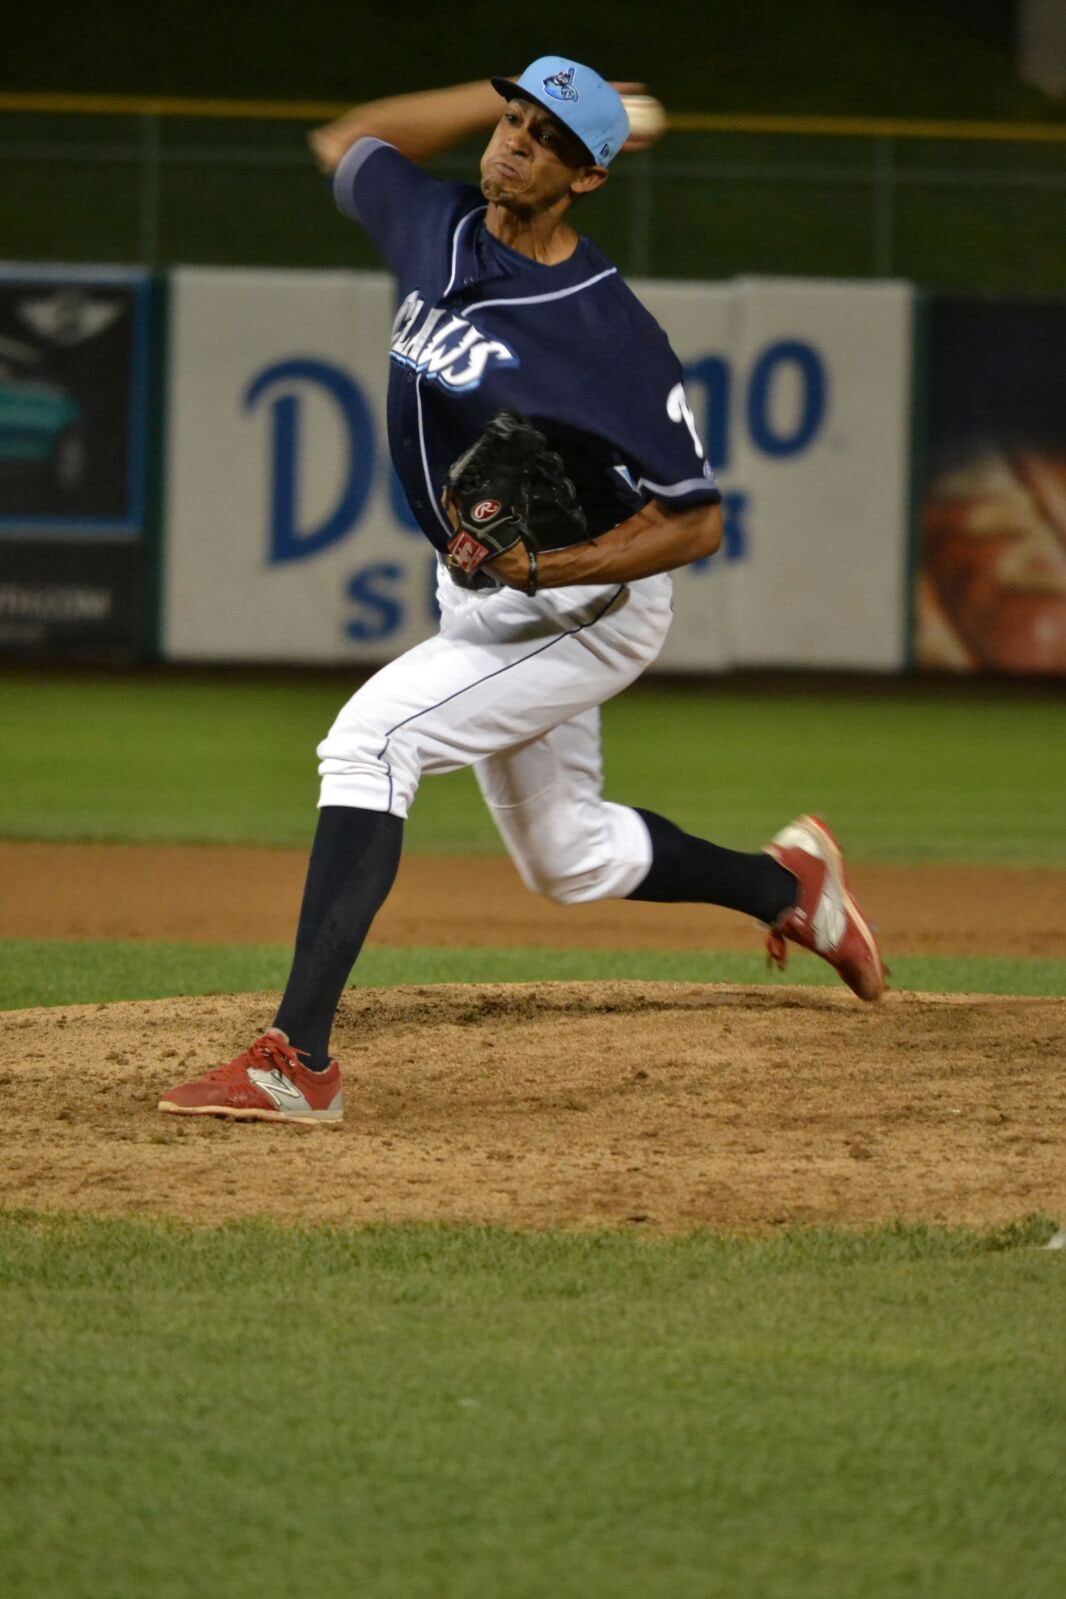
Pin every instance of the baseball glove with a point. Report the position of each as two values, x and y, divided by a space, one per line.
509 487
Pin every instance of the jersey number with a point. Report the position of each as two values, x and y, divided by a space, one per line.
679 410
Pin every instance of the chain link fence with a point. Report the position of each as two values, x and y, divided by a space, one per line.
953 208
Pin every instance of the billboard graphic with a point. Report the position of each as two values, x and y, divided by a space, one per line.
288 537
801 390
74 357
991 579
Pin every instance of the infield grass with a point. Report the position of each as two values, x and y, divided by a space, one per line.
930 772
408 1412
61 972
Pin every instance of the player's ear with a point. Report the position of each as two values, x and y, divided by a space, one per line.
590 179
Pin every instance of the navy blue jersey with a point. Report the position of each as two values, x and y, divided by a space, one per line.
481 328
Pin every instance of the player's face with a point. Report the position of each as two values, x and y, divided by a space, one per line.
532 162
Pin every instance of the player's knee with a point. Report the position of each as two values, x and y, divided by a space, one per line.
357 767
348 745
562 865
576 888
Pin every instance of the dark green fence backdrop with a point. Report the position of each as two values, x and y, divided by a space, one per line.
966 213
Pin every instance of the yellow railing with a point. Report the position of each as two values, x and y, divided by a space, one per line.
148 105
686 121
148 160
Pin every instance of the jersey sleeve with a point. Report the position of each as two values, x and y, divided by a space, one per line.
649 420
385 192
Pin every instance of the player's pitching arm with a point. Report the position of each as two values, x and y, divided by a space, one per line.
656 539
418 125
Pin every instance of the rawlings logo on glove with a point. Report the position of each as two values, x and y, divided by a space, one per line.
509 488
466 553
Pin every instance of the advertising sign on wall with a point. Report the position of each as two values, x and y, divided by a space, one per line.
991 582
288 538
801 389
73 461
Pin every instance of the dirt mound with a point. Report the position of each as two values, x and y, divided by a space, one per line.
569 1104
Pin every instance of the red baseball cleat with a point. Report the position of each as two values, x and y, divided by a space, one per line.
267 1083
825 918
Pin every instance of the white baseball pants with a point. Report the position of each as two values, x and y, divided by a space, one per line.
512 686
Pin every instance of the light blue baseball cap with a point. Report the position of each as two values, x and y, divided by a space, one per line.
581 100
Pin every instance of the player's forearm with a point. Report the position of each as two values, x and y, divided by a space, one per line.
419 125
654 540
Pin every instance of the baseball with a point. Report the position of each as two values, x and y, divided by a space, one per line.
647 119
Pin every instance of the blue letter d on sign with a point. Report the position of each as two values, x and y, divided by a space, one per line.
289 541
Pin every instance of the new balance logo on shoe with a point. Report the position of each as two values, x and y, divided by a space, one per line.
275 1083
828 924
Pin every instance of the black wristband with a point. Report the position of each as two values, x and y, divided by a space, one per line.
534 573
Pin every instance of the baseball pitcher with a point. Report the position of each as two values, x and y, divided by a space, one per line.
539 425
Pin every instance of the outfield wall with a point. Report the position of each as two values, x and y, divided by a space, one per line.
195 466
287 537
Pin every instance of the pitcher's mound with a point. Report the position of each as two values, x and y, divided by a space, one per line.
668 1105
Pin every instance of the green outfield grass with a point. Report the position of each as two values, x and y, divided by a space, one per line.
67 972
399 1413
928 774
402 1412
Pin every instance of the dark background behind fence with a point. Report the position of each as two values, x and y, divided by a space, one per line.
951 213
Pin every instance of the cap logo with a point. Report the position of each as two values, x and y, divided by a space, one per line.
561 84
484 510
605 151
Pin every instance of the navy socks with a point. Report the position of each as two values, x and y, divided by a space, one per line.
690 870
353 865
352 868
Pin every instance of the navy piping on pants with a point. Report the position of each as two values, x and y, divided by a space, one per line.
570 633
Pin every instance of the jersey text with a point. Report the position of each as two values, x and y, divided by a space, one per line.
445 348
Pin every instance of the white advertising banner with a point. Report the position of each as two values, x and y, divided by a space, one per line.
287 538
